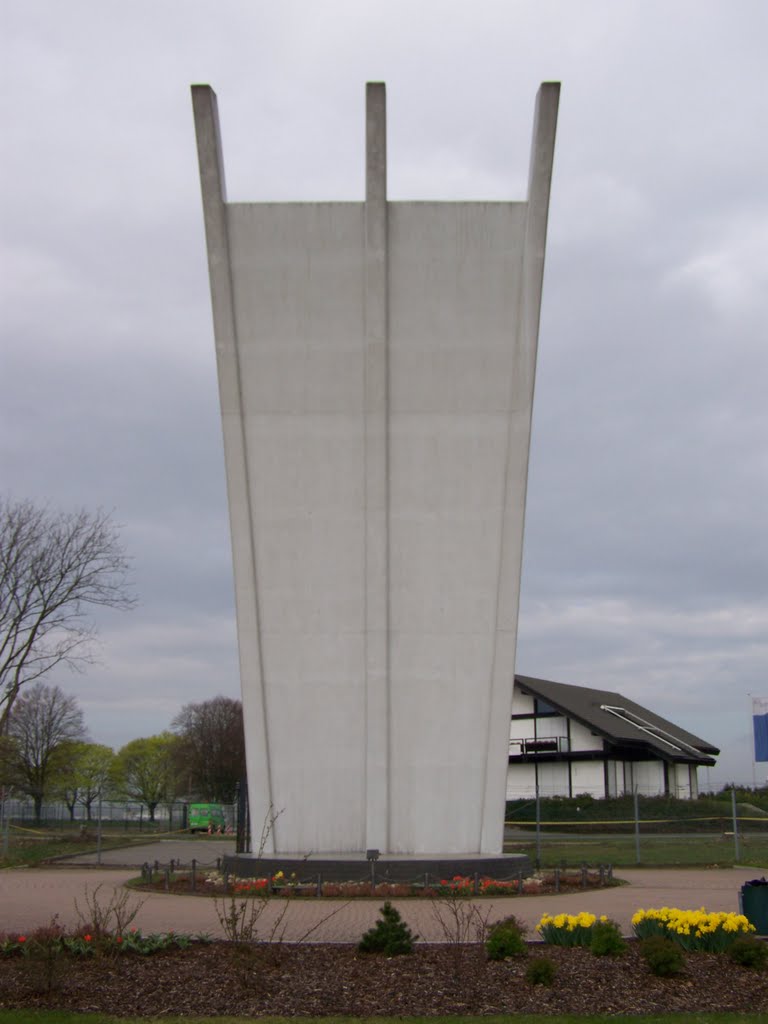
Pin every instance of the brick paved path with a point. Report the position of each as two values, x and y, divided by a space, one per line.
29 897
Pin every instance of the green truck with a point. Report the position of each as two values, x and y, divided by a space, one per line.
206 818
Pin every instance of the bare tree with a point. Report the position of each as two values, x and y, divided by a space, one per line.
43 723
212 747
54 568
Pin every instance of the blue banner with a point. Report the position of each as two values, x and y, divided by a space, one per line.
760 727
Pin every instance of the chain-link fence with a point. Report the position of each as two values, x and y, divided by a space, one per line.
114 815
639 830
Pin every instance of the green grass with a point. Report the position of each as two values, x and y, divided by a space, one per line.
655 851
617 814
618 850
34 850
66 1017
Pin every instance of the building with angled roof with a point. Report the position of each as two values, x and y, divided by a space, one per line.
568 740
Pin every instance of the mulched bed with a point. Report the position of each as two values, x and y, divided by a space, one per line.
317 980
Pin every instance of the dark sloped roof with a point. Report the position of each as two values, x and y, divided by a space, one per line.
586 705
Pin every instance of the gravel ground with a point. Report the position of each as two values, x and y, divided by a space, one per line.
323 979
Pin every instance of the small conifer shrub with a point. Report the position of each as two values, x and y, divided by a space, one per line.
749 952
506 939
663 956
390 935
541 971
606 939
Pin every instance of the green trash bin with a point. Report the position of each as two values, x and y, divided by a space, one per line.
754 904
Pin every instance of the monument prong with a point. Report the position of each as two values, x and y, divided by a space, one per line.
376 392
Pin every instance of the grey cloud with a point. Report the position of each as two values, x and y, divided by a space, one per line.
645 552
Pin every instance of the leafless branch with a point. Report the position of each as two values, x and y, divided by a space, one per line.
54 568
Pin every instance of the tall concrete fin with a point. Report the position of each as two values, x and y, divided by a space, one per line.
376 407
516 473
376 368
236 457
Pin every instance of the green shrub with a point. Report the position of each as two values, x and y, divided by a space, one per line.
540 971
663 956
390 935
506 939
607 939
749 952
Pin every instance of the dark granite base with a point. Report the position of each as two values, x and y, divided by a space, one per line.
388 868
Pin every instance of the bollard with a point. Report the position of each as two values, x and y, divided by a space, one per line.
319 885
557 879
167 879
520 882
477 882
194 866
602 874
583 876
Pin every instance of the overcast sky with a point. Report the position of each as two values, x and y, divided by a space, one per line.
646 559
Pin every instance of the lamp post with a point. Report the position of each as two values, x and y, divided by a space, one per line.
372 856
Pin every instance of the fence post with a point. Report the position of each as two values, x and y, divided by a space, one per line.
194 867
637 827
98 834
538 828
736 851
557 879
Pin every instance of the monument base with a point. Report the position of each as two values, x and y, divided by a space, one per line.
424 869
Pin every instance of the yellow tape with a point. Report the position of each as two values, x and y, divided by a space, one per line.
631 821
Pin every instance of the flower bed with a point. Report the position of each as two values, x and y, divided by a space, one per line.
694 930
567 929
217 979
105 966
52 941
283 885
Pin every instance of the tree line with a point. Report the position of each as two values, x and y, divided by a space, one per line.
56 568
45 755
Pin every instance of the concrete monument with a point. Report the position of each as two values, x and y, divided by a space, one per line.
376 368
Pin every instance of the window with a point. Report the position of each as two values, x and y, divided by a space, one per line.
540 707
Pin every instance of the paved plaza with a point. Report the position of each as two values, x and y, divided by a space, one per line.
30 897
